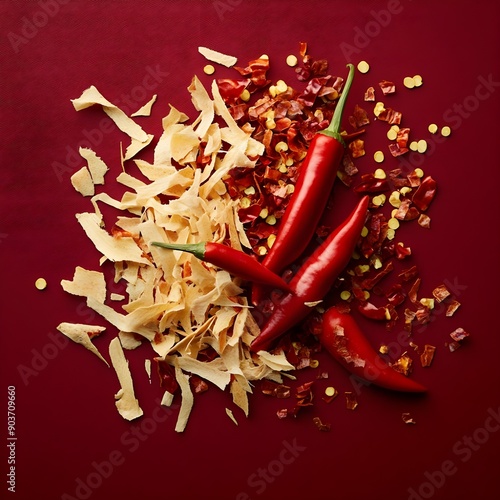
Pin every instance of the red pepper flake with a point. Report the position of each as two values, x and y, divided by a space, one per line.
459 334
409 274
198 385
412 294
351 401
424 221
403 364
402 137
453 346
390 116
283 413
370 94
276 390
396 150
304 394
357 148
425 193
359 117
427 355
402 210
440 293
409 318
423 315
401 251
452 307
407 419
387 87
320 425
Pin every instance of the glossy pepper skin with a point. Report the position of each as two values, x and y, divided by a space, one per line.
314 185
343 339
235 262
315 278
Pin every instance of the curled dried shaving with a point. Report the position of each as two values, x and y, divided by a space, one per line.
173 301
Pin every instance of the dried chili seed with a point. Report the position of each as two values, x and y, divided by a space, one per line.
363 67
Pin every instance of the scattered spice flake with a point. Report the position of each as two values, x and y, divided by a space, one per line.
217 57
440 293
187 399
427 355
387 87
320 425
359 117
370 94
390 116
82 182
407 419
403 364
409 274
304 394
275 390
126 403
452 308
82 334
453 346
229 413
424 221
397 150
145 110
351 402
357 148
283 413
459 334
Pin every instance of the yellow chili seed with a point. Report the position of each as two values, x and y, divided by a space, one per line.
393 223
281 146
271 220
292 60
209 69
417 80
380 172
245 95
330 391
422 146
391 233
270 240
262 250
394 199
314 363
419 172
363 67
433 128
249 190
383 349
366 294
409 82
446 131
345 295
414 145
41 284
245 202
281 86
379 107
364 231
392 134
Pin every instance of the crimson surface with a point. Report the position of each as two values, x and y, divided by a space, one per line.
70 441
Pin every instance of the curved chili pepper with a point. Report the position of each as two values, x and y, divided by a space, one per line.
233 261
315 278
343 339
314 185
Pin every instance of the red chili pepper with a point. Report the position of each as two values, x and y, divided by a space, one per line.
315 278
344 340
233 261
314 185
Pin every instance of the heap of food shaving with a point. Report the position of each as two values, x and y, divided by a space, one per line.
177 303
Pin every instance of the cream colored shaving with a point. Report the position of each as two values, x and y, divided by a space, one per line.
172 301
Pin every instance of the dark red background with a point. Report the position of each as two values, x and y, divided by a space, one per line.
67 423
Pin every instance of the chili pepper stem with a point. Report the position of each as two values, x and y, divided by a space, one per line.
333 129
197 249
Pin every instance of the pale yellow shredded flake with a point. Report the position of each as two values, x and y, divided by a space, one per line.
81 333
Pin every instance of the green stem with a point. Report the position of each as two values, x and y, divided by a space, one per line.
333 129
197 249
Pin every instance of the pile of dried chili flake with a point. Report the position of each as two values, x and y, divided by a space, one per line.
376 284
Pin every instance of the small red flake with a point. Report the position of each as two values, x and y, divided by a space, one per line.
282 413
279 391
424 221
452 307
351 402
403 364
396 150
427 355
320 425
387 87
407 419
357 148
440 293
459 334
359 117
453 346
390 116
370 94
